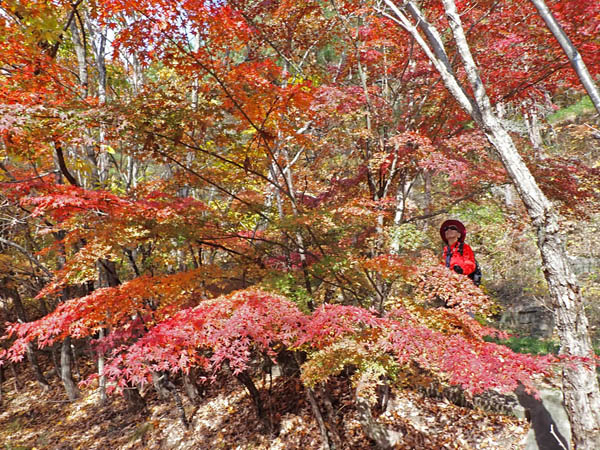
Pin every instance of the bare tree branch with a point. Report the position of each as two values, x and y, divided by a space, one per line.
29 256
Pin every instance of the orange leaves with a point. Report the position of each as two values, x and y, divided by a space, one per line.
257 148
389 266
112 307
100 210
412 146
232 328
148 335
440 286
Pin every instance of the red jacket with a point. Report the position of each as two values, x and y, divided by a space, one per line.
466 261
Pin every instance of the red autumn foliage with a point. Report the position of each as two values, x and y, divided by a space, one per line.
279 154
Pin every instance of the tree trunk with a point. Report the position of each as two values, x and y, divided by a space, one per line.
331 429
55 356
16 383
314 406
166 388
66 374
384 438
31 356
246 380
135 402
79 46
37 371
533 130
99 51
581 392
107 276
101 375
177 398
159 385
75 361
402 193
574 57
192 390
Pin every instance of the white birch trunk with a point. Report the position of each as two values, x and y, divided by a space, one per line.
581 393
570 50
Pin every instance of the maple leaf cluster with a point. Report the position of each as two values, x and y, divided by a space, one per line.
231 180
249 324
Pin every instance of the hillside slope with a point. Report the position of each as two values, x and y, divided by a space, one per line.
225 418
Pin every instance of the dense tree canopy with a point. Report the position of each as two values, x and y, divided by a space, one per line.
191 185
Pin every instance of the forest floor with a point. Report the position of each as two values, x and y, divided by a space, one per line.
225 418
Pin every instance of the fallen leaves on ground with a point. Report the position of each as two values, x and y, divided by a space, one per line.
225 418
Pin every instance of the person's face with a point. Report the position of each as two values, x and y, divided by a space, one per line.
452 233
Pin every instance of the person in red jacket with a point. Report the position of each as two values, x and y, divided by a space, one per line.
458 255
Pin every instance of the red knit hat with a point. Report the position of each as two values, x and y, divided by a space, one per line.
459 226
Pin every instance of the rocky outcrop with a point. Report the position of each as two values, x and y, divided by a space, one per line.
530 320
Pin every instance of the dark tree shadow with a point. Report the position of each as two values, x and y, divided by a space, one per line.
542 423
